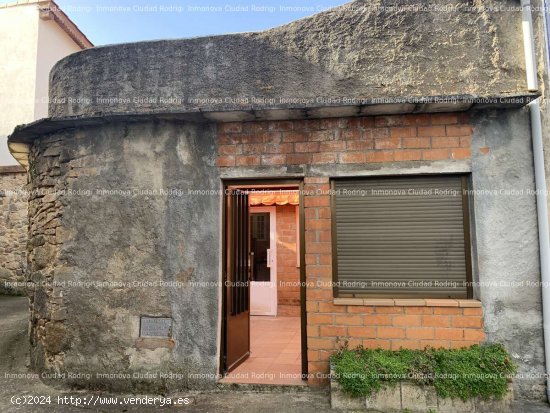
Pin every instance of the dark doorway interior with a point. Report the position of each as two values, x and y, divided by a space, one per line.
259 237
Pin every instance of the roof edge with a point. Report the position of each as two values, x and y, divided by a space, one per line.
24 135
49 10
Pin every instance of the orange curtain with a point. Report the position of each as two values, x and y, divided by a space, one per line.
287 198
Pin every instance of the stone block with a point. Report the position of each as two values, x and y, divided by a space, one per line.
388 399
406 396
59 314
43 256
493 405
455 406
342 401
38 241
415 397
55 337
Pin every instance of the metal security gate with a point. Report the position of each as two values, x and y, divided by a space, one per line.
236 270
236 280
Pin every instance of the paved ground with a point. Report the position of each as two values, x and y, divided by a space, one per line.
13 360
13 324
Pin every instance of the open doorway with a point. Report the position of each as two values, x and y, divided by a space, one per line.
263 328
263 259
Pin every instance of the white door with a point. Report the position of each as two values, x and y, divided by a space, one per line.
263 245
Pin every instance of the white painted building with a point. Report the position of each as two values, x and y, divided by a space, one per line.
34 35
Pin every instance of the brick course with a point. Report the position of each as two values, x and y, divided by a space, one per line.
345 140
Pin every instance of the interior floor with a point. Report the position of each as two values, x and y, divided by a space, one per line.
275 353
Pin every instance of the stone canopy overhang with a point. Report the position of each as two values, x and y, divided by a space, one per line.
23 135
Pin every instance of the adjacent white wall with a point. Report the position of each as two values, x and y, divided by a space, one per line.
18 53
53 45
29 48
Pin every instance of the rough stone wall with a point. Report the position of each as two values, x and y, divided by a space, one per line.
112 247
13 230
49 336
288 274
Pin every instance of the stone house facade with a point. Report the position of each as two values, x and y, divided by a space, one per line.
138 209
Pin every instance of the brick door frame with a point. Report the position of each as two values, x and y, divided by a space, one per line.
271 182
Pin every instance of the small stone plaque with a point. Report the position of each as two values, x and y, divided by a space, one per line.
155 327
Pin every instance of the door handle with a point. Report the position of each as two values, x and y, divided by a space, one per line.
251 267
268 258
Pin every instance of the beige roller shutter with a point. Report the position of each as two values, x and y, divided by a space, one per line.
401 237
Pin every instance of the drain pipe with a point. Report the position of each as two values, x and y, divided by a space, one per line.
540 178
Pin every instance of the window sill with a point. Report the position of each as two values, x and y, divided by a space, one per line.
407 302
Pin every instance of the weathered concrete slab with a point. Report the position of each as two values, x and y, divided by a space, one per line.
23 135
362 50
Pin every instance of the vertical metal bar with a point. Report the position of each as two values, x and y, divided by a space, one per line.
240 231
232 250
223 341
237 262
239 252
244 254
303 291
247 253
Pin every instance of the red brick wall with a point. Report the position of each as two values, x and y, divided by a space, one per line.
389 324
288 274
345 140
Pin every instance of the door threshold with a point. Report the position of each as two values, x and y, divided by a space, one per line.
230 384
263 380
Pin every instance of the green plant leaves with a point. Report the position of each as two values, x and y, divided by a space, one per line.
477 371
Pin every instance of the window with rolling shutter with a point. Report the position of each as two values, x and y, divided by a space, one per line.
401 237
